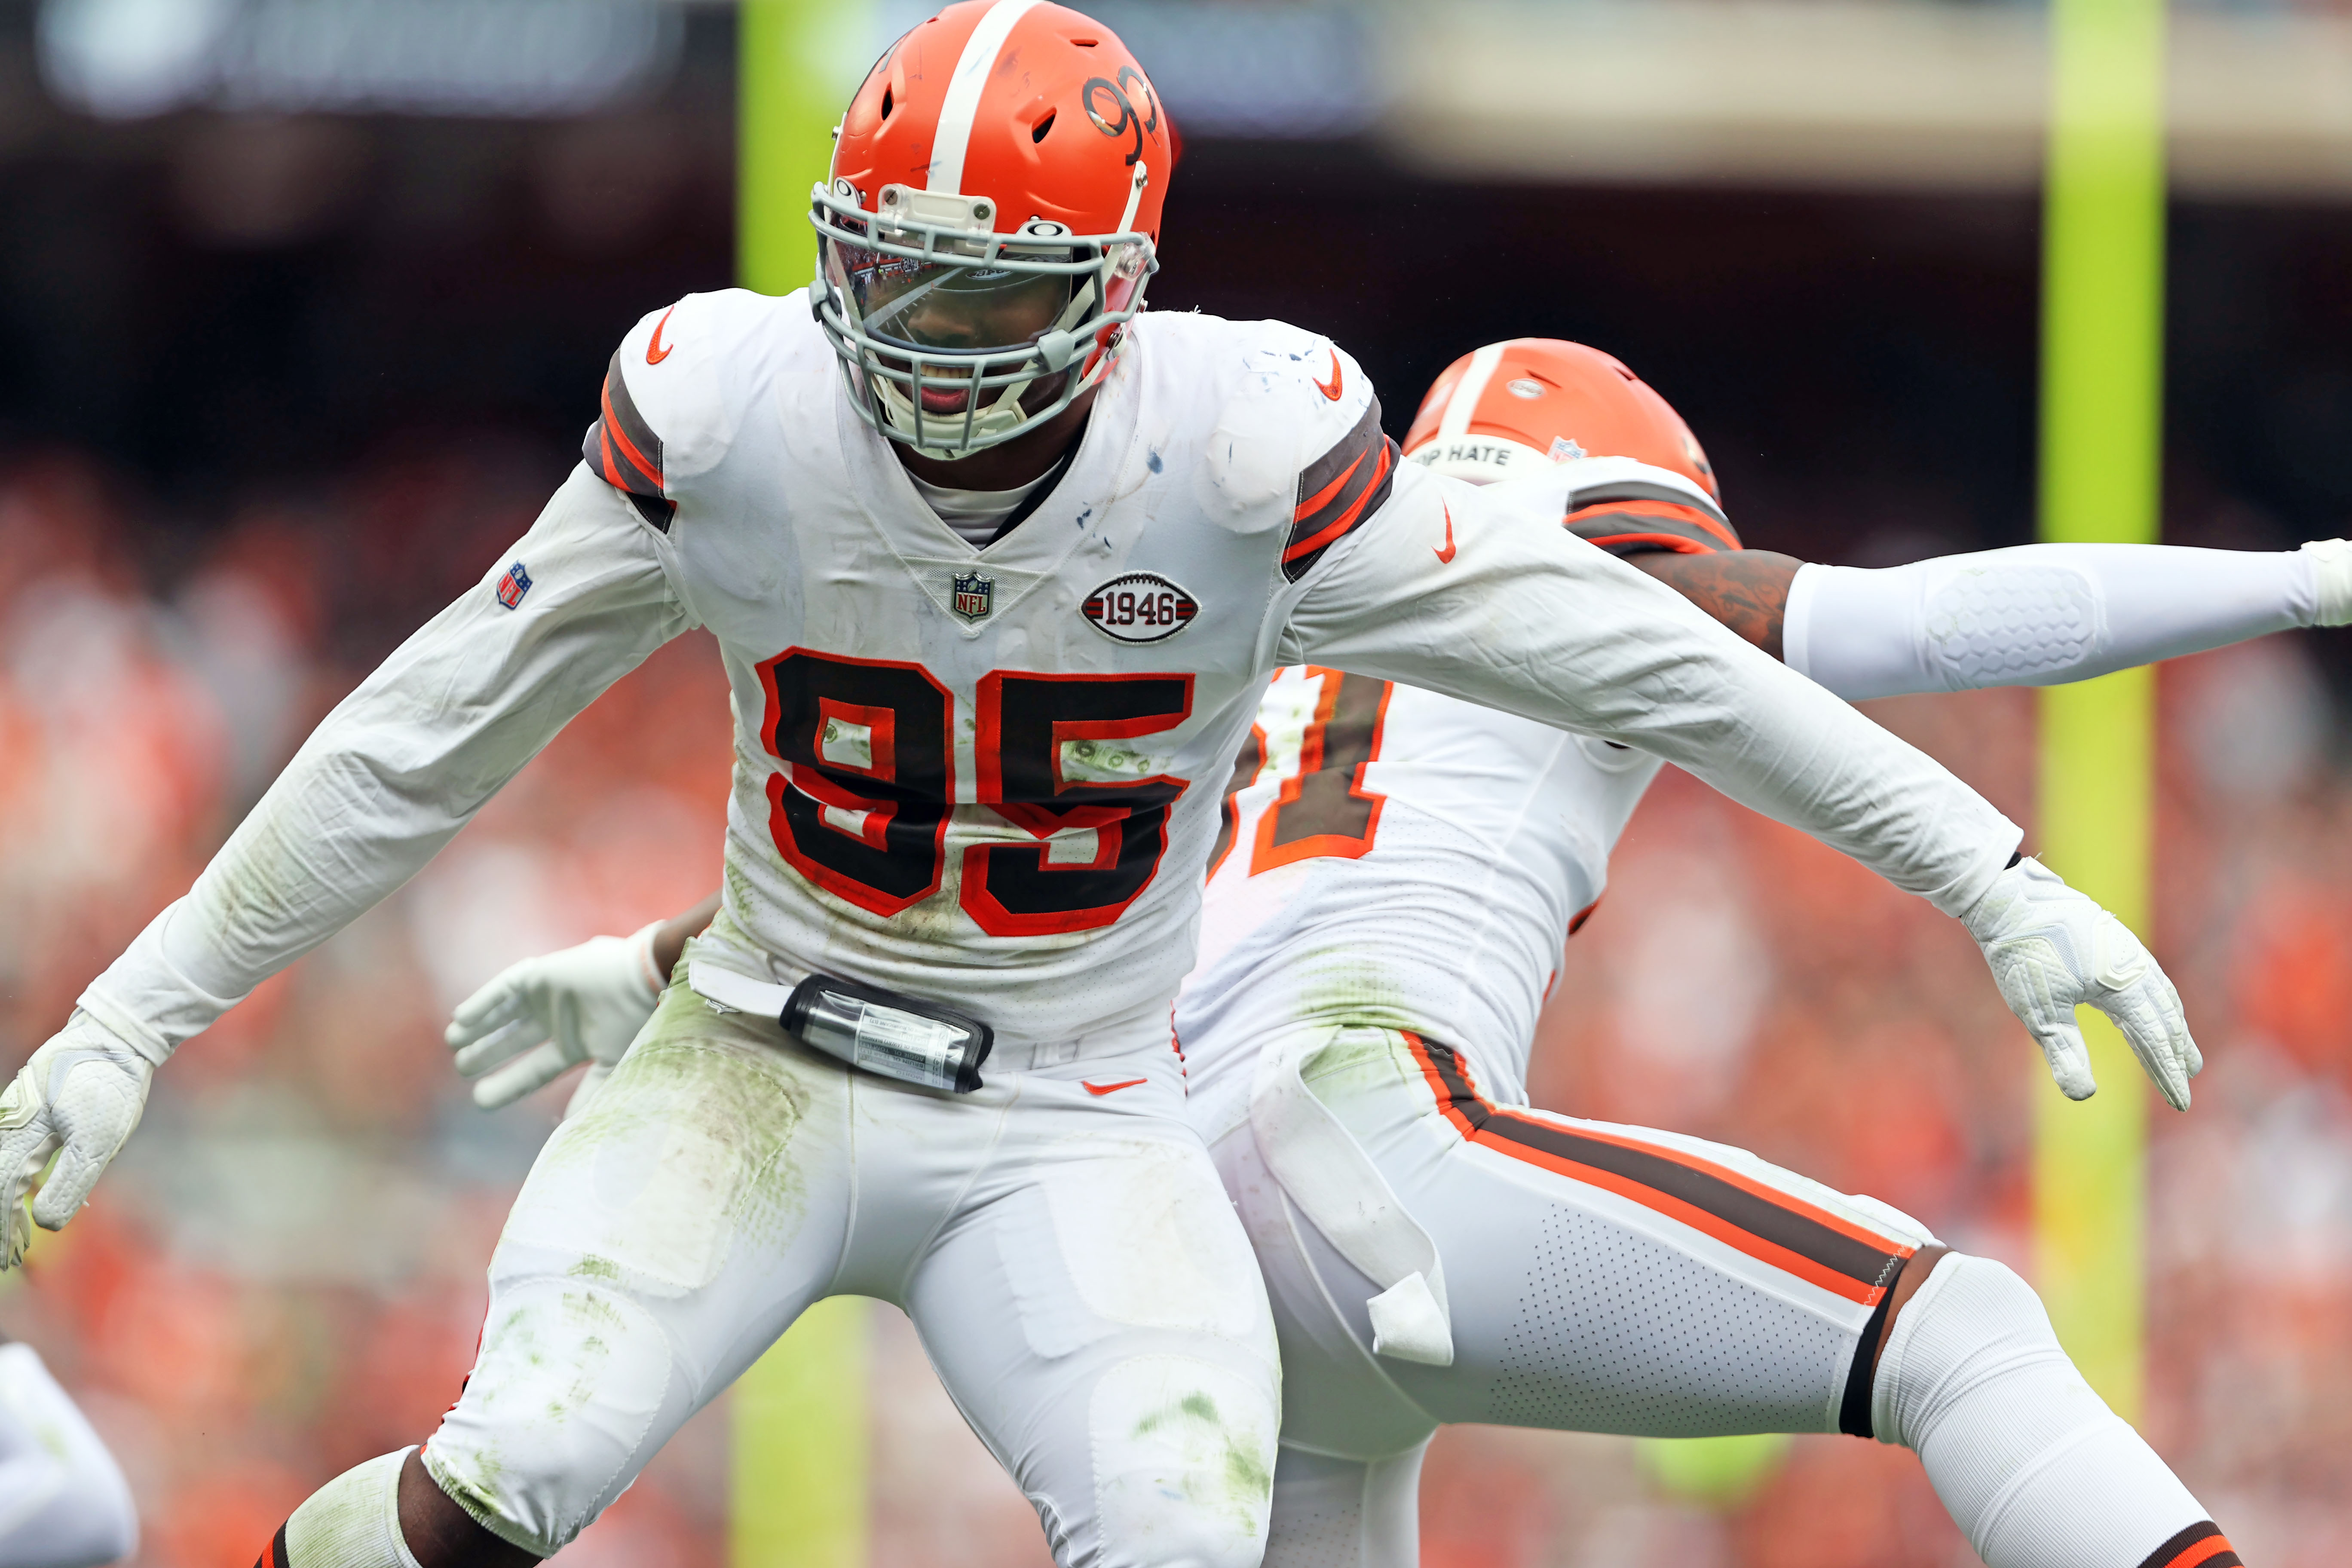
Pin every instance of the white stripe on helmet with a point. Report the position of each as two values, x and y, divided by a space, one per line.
973 69
1469 390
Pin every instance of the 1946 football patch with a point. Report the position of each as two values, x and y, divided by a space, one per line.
1140 607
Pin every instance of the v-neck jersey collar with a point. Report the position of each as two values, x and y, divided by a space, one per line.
887 492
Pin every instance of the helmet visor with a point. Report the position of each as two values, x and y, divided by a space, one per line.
954 307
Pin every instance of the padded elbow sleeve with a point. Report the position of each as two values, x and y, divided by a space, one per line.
2035 616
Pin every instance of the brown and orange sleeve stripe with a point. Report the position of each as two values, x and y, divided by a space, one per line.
1630 527
1338 491
626 453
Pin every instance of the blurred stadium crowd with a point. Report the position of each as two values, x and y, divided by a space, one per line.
282 384
286 1276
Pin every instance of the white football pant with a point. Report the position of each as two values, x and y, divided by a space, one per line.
1600 1278
1059 1238
1495 1264
63 1501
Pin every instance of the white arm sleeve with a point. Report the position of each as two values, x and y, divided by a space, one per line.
402 764
2039 615
1529 618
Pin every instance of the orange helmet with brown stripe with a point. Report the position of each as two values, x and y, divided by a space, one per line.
1516 408
988 225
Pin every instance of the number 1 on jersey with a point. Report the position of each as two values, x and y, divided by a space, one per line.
1325 809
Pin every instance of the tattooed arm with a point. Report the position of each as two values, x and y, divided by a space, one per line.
1747 590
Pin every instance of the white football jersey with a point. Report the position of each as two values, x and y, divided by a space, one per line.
1399 859
985 775
993 776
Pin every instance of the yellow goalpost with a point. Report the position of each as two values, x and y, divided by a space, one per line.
799 1475
2102 402
2102 418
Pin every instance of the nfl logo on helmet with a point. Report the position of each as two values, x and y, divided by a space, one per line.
974 596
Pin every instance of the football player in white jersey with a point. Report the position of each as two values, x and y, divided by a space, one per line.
980 753
1399 870
1383 919
63 1501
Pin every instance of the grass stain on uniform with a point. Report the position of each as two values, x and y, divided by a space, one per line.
520 1327
589 1309
1245 1471
710 1109
1342 986
1214 1457
476 1490
1090 761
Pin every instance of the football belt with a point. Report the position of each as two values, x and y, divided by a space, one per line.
874 1030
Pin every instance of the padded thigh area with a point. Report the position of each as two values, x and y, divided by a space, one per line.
665 1237
1599 1278
572 1383
1608 1329
1100 1324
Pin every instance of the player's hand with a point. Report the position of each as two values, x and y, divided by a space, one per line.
77 1097
2051 948
545 1015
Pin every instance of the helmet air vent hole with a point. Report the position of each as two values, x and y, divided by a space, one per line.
1085 43
1037 131
886 103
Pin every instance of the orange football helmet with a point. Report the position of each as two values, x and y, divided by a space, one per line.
989 223
1515 407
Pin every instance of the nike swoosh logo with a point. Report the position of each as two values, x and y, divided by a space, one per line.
1330 389
1102 1089
655 353
1445 556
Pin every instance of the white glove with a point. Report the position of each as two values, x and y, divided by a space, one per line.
82 1092
2331 563
2050 948
545 1015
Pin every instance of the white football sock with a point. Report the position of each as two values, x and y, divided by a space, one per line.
63 1501
2031 1465
352 1522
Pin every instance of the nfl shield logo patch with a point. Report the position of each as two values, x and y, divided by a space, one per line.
513 586
975 595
